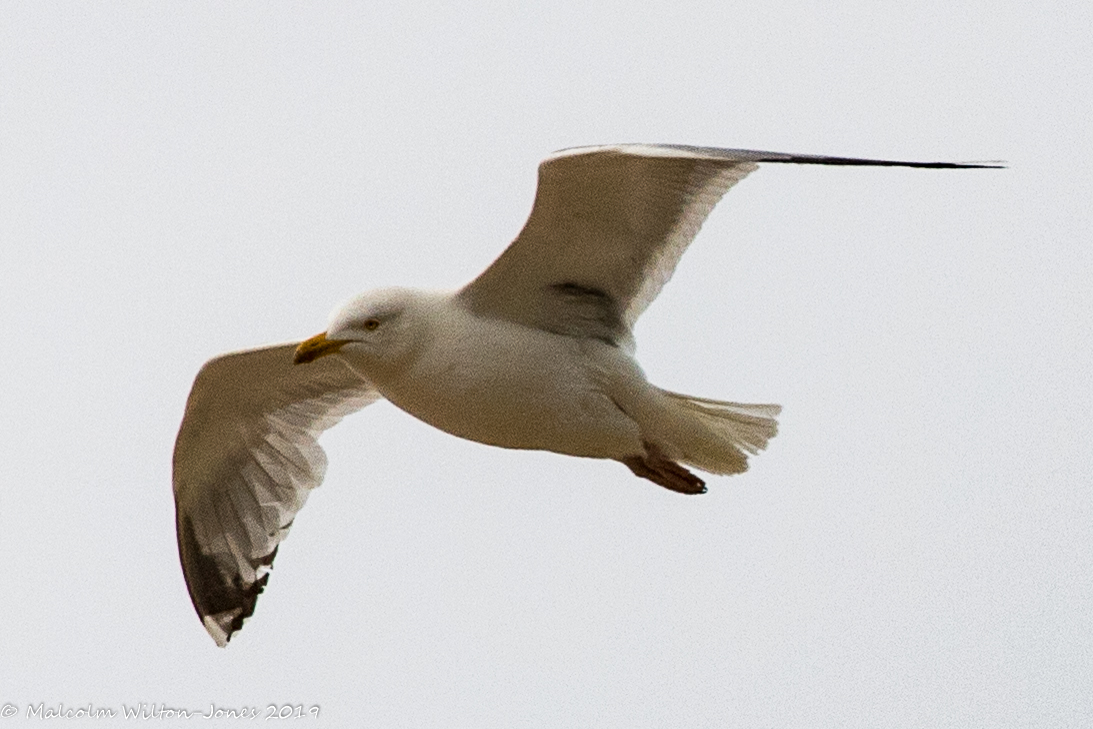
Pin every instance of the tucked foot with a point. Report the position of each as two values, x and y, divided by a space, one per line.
665 472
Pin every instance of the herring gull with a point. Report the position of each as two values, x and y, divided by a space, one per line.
535 353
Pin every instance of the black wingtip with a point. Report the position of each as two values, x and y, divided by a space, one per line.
752 155
222 602
805 159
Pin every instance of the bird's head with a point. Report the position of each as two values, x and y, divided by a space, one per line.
374 331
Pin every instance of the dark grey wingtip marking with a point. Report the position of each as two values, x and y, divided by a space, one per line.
748 155
851 162
211 593
754 155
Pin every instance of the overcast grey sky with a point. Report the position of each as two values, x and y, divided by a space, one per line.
182 179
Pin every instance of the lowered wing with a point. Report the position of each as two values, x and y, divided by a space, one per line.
245 460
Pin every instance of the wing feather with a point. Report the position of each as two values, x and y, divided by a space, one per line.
245 460
608 228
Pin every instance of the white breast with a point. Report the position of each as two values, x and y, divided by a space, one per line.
512 386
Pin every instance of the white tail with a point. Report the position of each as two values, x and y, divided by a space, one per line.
715 436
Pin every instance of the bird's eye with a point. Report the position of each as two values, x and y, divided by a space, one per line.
371 324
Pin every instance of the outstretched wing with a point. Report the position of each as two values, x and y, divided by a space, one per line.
607 229
245 459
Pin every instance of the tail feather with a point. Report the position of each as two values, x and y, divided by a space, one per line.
717 436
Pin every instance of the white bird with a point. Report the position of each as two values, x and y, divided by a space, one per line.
535 353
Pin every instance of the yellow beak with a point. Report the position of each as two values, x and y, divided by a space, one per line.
318 346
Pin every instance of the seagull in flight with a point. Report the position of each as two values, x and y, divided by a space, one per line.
536 353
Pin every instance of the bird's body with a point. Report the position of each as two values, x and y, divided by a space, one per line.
536 353
505 384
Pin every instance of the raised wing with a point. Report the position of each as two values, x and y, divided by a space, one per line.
245 459
607 229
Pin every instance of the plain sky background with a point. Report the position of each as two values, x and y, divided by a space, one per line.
914 549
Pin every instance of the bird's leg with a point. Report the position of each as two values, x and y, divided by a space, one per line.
664 471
